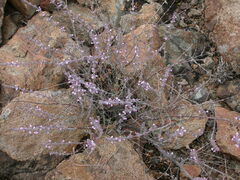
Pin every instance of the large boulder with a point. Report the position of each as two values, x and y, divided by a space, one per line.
139 49
41 128
222 20
32 59
108 161
138 56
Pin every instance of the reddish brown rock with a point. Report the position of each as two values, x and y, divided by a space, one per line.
30 60
26 7
222 19
31 123
108 161
228 125
139 49
193 170
138 56
186 122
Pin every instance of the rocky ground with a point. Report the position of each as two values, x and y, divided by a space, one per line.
183 54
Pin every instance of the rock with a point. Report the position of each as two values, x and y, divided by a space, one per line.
195 12
2 5
85 21
186 123
149 14
42 127
182 24
194 2
138 56
234 102
139 46
193 170
230 92
230 88
208 63
200 94
107 161
222 20
182 47
27 8
113 10
30 60
227 127
9 28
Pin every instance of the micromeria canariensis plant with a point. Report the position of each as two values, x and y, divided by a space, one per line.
123 107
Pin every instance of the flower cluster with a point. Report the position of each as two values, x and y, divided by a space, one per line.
180 131
80 87
194 156
90 145
95 123
237 118
214 145
145 85
236 139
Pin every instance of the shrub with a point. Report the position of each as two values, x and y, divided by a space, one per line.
127 103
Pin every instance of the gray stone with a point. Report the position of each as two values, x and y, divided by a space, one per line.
195 12
194 2
200 94
182 47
